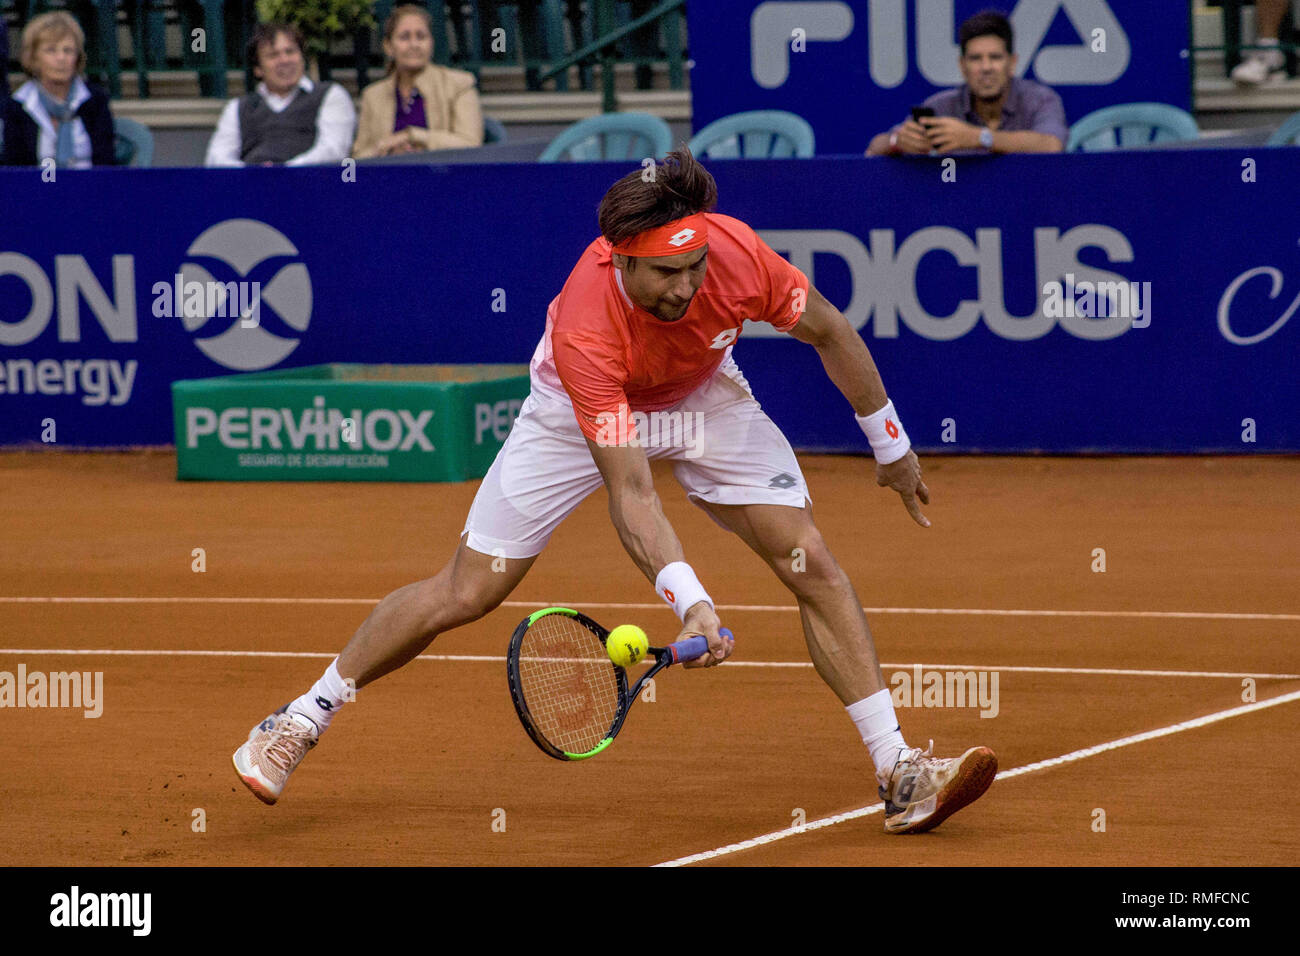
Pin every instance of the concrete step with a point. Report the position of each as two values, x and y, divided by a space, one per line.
1221 95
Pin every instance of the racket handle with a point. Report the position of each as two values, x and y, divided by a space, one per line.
694 647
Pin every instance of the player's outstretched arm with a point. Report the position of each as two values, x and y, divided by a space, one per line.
647 536
850 366
634 507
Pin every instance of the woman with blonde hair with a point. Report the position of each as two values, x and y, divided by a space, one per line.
418 105
56 115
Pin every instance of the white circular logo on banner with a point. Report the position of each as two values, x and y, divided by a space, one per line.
246 345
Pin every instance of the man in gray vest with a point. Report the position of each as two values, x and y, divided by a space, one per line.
289 119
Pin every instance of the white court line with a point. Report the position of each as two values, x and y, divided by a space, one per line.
489 658
968 611
1006 774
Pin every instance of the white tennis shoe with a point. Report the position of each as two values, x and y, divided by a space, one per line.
1260 67
274 748
922 790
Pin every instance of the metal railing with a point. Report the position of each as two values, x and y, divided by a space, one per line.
602 49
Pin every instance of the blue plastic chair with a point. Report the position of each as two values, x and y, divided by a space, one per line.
756 134
494 131
611 136
132 142
1288 134
1132 124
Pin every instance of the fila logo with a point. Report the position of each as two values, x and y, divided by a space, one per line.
724 339
882 35
683 237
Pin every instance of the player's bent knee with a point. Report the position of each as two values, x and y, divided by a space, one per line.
809 568
469 604
447 604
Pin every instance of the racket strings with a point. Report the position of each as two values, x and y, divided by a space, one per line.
568 682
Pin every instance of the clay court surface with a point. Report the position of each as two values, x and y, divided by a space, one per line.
419 768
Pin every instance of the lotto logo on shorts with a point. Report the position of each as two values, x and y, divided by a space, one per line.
683 237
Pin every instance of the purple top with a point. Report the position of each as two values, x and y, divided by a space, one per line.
1029 107
410 114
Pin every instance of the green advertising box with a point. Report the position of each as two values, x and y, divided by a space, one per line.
347 422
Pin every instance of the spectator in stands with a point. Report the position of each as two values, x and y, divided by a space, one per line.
644 43
1262 65
992 112
56 114
418 106
289 119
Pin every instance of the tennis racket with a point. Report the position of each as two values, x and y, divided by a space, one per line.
570 697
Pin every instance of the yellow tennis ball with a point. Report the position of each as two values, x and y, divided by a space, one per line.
626 645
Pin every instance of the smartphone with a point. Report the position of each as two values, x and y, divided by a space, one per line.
920 111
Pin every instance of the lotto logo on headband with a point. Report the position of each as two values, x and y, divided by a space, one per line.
673 238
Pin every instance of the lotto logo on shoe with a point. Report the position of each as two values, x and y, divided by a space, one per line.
324 704
683 237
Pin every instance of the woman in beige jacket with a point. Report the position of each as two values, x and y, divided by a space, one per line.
418 106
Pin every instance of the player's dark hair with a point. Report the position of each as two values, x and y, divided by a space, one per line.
680 187
265 34
986 23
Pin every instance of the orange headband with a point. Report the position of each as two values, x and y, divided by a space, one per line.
681 235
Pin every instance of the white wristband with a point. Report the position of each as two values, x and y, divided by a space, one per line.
678 585
885 433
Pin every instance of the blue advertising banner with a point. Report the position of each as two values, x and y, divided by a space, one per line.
853 68
1135 302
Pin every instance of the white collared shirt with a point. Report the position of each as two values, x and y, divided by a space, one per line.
47 139
336 121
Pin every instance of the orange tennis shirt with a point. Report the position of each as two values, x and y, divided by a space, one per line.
611 356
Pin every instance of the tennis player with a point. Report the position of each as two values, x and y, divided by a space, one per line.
635 365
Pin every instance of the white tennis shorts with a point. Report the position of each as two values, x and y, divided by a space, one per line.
723 447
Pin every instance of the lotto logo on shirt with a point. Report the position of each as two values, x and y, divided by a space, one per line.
651 430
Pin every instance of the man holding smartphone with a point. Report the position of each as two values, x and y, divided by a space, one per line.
992 112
